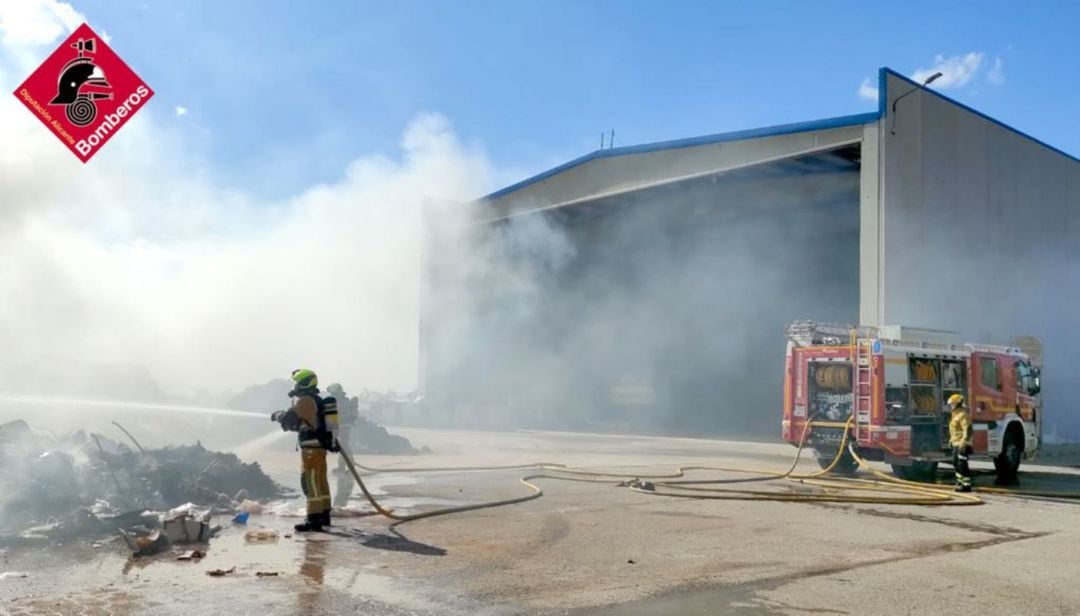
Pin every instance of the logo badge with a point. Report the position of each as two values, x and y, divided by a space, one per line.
84 93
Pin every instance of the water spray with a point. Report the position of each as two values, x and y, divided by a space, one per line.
127 404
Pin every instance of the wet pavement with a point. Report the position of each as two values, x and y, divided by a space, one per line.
584 548
292 573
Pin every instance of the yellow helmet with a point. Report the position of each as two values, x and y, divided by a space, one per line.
956 401
305 379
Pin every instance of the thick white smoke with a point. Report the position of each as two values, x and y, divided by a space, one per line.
136 264
134 267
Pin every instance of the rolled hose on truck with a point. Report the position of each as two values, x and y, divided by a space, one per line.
833 378
889 490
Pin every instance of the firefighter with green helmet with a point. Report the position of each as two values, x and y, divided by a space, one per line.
960 434
314 419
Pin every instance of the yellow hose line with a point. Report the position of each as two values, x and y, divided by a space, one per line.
890 490
966 498
917 494
1029 493
536 493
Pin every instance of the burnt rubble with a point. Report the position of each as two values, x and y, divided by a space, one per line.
84 485
368 437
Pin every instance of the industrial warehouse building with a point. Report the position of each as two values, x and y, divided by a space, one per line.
648 288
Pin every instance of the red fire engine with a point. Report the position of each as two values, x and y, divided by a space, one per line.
891 384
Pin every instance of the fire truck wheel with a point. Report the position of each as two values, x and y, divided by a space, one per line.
845 466
1007 463
918 470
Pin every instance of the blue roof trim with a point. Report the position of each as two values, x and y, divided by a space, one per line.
769 131
882 82
888 71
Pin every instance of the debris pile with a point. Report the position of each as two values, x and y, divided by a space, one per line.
171 476
181 525
144 542
370 438
186 524
86 485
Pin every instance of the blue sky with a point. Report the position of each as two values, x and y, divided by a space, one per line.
281 95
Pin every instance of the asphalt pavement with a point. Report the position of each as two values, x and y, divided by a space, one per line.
588 548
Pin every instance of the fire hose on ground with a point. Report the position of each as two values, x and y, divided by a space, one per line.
885 489
896 491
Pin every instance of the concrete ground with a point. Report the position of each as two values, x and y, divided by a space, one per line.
587 548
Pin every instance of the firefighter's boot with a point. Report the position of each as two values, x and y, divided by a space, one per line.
312 525
324 518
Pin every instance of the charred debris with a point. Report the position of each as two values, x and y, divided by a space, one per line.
84 485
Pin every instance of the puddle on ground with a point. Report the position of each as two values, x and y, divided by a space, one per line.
348 560
377 484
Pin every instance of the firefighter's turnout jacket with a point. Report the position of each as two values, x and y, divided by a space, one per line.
307 411
960 430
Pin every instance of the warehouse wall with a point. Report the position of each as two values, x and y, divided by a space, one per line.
980 229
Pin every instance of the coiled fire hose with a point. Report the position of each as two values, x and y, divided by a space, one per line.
833 378
925 371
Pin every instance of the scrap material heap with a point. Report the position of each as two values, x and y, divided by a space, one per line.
82 485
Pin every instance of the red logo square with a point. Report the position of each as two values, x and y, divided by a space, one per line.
84 93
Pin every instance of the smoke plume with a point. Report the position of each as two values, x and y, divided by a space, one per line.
135 272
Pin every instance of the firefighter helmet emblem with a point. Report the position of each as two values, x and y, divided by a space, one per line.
81 82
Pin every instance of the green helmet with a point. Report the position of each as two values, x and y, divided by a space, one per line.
336 389
305 379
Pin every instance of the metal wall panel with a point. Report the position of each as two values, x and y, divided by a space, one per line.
981 234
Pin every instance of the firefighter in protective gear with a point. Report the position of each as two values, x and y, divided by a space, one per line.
348 411
960 433
313 481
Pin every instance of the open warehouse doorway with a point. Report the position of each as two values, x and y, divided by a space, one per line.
655 310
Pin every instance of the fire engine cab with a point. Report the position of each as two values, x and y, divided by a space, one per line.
888 385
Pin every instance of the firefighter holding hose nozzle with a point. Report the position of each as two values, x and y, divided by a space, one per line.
314 419
960 433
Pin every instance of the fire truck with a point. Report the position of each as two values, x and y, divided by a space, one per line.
888 387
